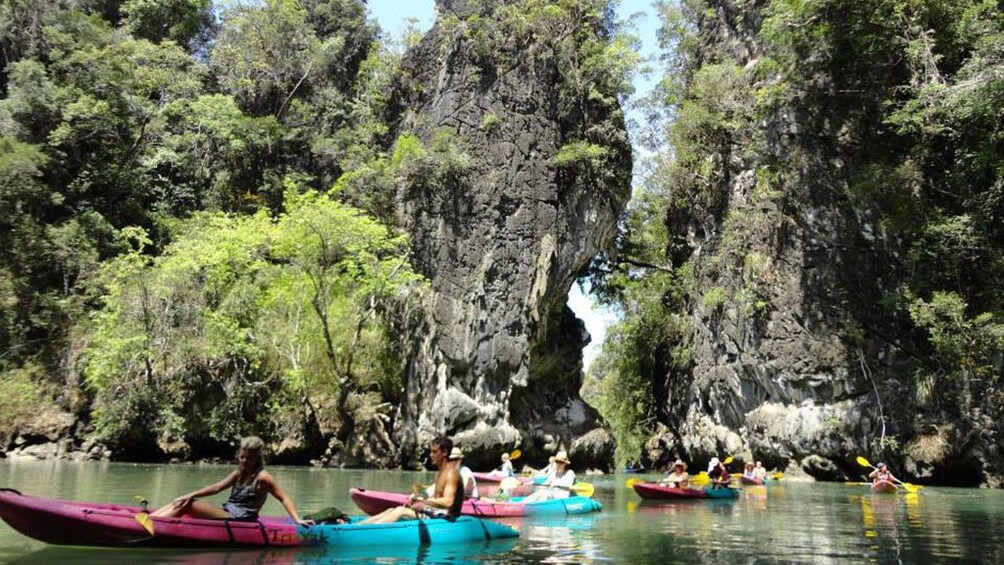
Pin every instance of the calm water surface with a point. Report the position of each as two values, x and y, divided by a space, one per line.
787 523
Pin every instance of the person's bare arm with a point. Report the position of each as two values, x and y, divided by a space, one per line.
214 488
449 491
275 490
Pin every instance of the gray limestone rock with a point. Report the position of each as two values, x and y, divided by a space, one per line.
501 232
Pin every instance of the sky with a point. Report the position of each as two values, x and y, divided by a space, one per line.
393 16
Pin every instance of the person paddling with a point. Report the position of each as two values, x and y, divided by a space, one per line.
250 484
881 474
448 492
718 474
677 476
558 482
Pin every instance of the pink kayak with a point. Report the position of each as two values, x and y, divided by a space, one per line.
495 478
884 487
750 481
374 502
66 522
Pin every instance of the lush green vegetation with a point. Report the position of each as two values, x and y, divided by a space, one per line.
906 94
196 205
174 268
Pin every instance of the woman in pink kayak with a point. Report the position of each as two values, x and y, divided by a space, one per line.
250 484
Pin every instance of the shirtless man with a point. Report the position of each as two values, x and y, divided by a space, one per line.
447 496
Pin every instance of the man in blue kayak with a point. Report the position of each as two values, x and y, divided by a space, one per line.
448 494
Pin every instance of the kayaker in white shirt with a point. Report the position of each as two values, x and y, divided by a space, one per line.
506 469
558 482
677 477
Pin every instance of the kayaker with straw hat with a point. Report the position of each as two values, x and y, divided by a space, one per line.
557 483
677 475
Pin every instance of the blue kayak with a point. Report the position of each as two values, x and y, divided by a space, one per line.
561 506
723 492
413 533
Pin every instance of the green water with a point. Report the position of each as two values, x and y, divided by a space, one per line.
787 523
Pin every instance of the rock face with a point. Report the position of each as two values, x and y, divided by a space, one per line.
787 368
501 231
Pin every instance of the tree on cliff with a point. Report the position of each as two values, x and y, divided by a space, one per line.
247 324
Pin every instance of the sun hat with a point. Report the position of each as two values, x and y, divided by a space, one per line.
679 463
561 457
455 453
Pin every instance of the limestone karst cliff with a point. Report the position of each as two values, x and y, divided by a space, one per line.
824 171
499 94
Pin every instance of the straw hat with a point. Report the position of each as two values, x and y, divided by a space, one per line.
679 463
561 457
456 454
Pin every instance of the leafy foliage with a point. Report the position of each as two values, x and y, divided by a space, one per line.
238 313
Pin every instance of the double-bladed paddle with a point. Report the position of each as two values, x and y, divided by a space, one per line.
909 487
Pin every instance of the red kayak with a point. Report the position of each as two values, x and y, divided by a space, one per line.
750 481
883 487
655 491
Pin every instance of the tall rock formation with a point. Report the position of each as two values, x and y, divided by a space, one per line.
795 358
503 220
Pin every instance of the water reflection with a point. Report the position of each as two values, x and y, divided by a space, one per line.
458 554
778 524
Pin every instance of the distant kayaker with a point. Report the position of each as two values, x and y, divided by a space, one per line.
881 474
749 471
759 471
557 483
677 476
506 469
447 499
718 474
250 484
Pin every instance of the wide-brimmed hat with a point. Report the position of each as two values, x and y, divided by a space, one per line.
679 463
561 457
455 453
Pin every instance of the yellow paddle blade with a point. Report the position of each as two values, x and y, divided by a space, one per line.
700 478
632 482
863 462
727 460
146 521
777 476
583 489
516 454
911 488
